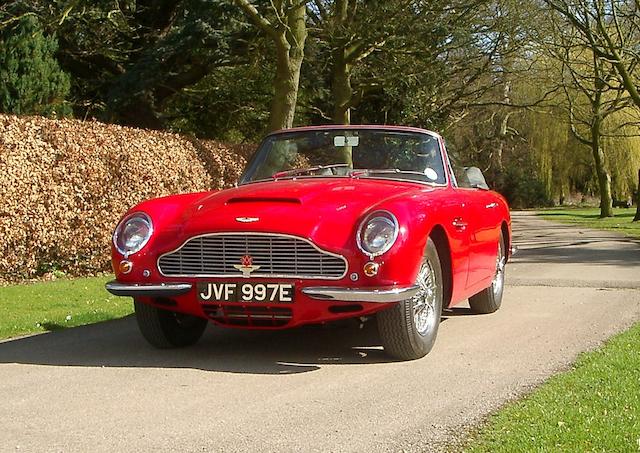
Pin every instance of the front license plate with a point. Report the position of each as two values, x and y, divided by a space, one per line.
246 292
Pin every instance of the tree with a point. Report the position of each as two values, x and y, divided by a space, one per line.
442 52
593 94
285 23
31 81
127 60
611 28
171 47
352 30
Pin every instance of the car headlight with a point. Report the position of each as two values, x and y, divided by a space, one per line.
132 233
377 233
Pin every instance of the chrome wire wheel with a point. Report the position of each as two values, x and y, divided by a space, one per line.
489 299
425 316
498 280
408 329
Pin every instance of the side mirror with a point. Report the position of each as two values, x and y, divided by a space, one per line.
475 178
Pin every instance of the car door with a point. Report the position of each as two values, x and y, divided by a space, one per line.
481 225
484 231
457 225
454 211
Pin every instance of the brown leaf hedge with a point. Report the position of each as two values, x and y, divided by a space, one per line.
64 184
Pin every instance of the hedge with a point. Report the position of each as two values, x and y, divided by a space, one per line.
65 183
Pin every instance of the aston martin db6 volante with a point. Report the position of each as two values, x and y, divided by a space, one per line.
326 223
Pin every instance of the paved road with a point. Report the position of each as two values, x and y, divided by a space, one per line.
101 388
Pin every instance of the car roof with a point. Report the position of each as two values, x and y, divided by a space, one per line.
356 126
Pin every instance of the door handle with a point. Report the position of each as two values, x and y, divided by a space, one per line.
459 224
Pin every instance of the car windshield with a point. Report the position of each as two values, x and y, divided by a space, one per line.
365 153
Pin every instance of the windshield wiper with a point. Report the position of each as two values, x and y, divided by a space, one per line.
301 171
381 171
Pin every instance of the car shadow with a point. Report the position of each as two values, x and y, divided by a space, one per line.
118 343
457 311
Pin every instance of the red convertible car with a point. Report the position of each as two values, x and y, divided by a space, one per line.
326 223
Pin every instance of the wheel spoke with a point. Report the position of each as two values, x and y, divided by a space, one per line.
424 302
498 279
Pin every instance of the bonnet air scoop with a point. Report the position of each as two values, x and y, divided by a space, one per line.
258 199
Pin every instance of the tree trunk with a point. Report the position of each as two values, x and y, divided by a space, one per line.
290 53
627 82
341 88
604 180
503 128
637 216
285 96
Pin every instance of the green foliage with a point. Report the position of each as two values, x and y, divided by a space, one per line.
522 187
517 177
173 60
541 161
127 59
216 107
31 81
623 157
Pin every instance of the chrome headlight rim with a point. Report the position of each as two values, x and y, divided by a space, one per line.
375 214
118 231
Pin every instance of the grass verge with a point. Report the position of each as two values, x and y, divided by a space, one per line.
593 407
45 306
590 218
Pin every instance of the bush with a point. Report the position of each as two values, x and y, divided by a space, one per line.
32 81
66 183
523 189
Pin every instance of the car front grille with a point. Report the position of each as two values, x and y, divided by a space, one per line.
283 256
248 315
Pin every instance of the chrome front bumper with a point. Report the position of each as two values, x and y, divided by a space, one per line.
153 290
327 293
377 295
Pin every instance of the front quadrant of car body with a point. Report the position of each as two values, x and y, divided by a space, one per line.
326 223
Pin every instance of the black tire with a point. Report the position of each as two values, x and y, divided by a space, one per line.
397 325
489 300
167 329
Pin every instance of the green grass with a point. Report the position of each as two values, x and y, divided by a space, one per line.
595 407
590 218
45 306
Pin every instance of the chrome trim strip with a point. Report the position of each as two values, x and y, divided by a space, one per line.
384 178
359 127
256 274
376 295
157 290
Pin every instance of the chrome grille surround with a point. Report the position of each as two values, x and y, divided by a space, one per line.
278 255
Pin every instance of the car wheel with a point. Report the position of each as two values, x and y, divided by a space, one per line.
490 299
408 329
167 329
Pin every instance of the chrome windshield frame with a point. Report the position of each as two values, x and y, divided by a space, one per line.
254 161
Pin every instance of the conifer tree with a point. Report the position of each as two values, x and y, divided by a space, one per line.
31 81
